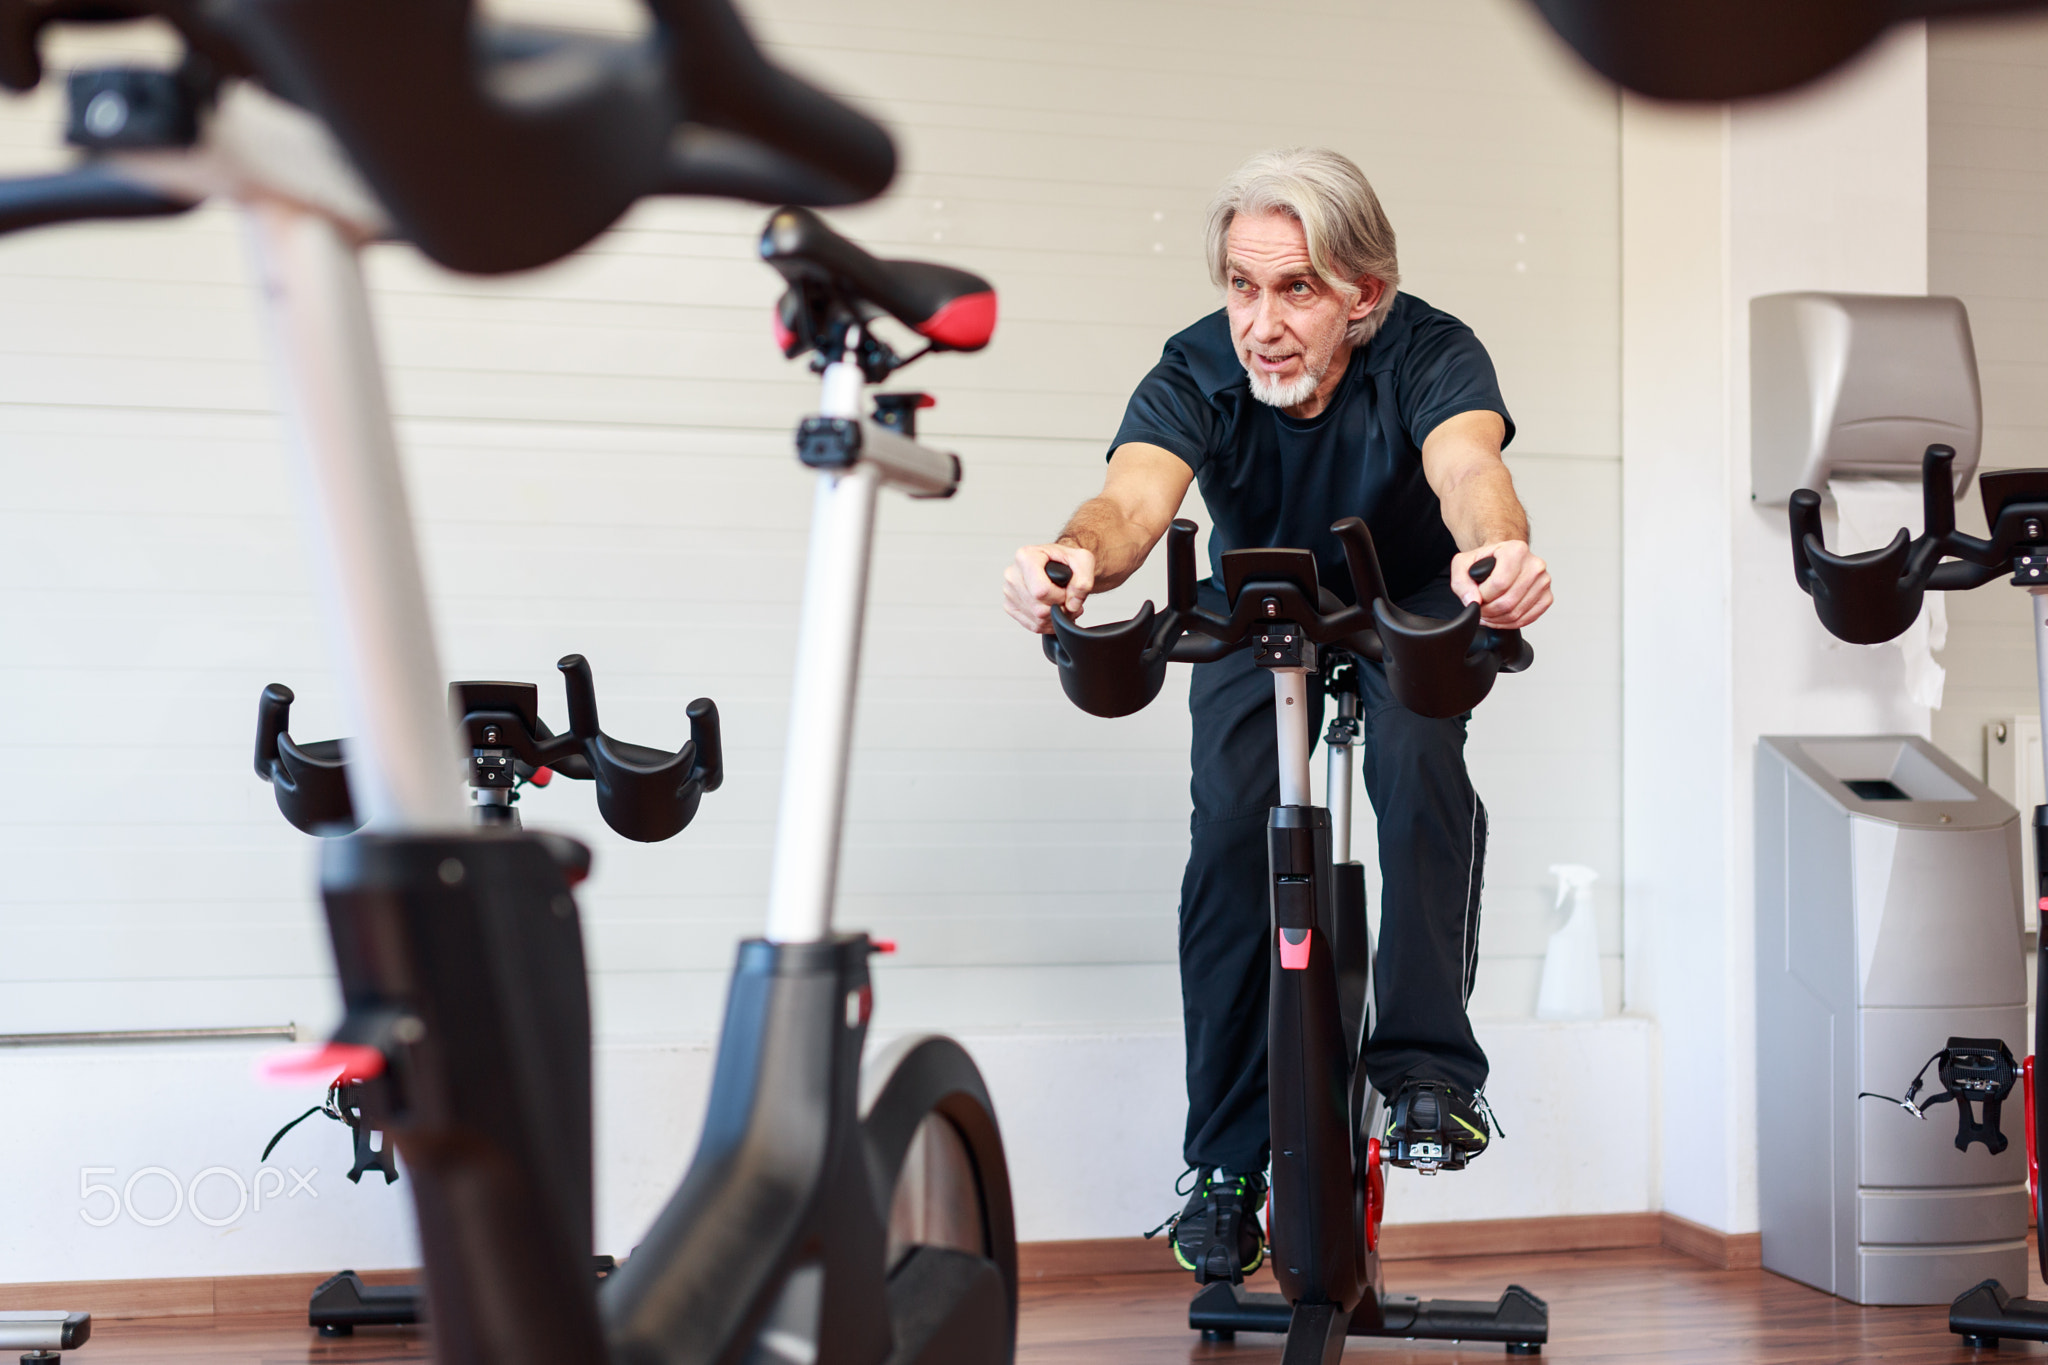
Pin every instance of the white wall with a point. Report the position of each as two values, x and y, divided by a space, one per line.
599 457
1987 243
1825 189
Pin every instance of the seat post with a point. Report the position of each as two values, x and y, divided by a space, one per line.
402 767
1290 715
807 829
1283 649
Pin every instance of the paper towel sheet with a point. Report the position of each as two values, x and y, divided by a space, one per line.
1870 513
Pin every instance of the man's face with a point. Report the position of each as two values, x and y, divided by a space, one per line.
1286 321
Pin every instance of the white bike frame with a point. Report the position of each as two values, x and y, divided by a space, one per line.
814 764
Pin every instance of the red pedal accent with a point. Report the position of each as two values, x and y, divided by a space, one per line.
882 945
2033 1157
1293 956
965 324
1375 1193
785 340
353 1061
542 776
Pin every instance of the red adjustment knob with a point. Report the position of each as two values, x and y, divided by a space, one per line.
353 1062
1375 1194
882 945
542 776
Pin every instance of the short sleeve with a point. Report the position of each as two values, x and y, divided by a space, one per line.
1446 371
1170 410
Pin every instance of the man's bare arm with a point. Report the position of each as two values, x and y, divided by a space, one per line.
1107 538
1461 459
1140 497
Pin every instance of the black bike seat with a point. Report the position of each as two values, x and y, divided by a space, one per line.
954 310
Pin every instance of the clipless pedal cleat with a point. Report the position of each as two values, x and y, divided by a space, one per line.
1435 1126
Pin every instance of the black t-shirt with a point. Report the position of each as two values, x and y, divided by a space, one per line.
1271 480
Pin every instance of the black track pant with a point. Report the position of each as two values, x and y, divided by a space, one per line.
1432 839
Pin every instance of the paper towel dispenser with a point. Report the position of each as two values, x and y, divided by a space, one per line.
1858 384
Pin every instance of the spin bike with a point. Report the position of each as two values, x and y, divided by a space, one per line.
1328 1179
1869 598
832 1215
647 795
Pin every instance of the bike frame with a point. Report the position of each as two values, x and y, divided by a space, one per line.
1316 1233
1327 1185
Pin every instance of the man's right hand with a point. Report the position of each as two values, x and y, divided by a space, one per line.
1029 596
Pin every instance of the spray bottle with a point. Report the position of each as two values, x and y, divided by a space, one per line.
1571 965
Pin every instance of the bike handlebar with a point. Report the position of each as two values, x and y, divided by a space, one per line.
84 193
1436 668
310 781
496 147
644 794
1872 597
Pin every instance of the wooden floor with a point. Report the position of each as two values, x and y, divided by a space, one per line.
1615 1306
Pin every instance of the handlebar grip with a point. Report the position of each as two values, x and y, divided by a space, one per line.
1431 665
1482 569
644 794
1059 572
273 718
310 781
1368 584
88 193
1869 598
1113 670
1804 511
1180 564
807 147
710 742
582 696
1938 492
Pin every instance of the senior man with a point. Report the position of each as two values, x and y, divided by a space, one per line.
1319 391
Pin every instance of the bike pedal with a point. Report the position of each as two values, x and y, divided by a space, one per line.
1220 1265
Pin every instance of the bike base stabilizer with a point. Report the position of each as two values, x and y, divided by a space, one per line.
1985 1315
1315 1332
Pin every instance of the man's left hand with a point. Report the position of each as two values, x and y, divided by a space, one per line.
1514 594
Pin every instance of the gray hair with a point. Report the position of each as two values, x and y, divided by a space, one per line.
1347 230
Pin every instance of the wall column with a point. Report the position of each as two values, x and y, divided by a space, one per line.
1827 190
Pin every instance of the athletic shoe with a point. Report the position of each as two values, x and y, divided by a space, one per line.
1217 1236
1435 1126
